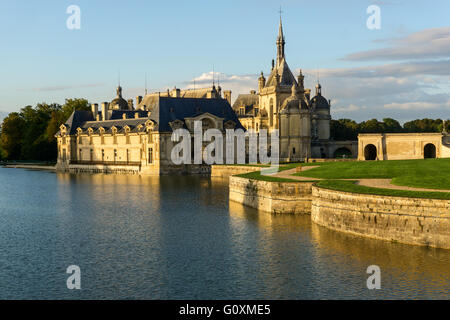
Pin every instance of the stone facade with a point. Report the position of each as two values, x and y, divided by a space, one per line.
407 220
400 146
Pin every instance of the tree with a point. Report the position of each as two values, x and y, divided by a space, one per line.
74 104
371 126
391 126
11 136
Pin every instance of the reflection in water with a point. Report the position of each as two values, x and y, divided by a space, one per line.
180 238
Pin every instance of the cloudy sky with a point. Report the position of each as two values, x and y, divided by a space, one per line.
401 70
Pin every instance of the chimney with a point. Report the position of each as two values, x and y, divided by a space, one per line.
227 95
105 111
124 115
136 115
97 117
94 109
176 93
138 100
130 104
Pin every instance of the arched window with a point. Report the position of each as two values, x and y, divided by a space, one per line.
271 113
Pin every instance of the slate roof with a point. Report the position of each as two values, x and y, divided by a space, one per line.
319 102
170 109
165 110
286 76
76 119
246 100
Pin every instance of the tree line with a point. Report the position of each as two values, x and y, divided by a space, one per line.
346 129
30 133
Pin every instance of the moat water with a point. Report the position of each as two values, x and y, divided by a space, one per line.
180 238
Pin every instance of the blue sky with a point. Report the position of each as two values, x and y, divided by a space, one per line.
400 71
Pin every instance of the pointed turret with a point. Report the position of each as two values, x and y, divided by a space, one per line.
280 44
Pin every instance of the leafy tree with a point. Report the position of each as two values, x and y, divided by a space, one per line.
391 126
11 136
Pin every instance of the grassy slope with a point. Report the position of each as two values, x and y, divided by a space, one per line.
429 173
349 186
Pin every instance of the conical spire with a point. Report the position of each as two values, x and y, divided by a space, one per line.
280 43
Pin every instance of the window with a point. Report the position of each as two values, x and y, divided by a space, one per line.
128 155
80 155
293 150
92 155
150 155
103 155
115 155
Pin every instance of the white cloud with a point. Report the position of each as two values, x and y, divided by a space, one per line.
428 43
236 83
418 105
350 108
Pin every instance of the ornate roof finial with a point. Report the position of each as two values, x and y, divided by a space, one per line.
280 42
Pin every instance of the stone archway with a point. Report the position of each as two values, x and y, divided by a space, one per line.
429 151
370 152
342 152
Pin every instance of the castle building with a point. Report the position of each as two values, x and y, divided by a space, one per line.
283 103
120 138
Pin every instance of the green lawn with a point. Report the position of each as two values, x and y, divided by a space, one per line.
350 186
256 175
429 173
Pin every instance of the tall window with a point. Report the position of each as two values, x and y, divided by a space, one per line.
271 113
150 155
115 155
103 155
128 155
92 155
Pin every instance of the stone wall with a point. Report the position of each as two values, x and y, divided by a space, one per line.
407 220
273 197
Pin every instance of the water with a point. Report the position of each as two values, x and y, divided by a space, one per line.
180 238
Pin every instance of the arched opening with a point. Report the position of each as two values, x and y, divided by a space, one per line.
342 153
429 151
370 152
